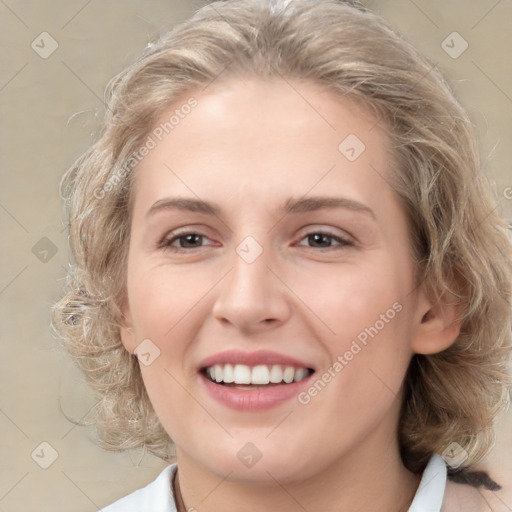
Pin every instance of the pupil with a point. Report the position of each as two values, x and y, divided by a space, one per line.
319 237
193 239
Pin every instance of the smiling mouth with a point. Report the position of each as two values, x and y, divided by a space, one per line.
260 376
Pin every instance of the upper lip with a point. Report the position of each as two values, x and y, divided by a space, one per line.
255 358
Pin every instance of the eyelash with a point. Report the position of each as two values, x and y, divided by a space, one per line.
166 243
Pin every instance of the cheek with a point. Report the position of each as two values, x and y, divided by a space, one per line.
168 307
353 299
162 298
368 310
162 308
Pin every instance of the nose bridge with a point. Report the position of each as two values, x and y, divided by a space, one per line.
251 295
250 280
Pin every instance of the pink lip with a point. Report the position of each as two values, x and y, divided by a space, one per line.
267 357
252 399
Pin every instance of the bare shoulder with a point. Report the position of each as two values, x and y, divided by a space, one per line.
464 498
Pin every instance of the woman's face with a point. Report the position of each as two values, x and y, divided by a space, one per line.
286 258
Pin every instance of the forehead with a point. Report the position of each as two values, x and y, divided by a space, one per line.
257 139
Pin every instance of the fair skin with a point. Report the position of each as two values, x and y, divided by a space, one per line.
248 147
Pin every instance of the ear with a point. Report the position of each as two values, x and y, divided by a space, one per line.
437 325
127 334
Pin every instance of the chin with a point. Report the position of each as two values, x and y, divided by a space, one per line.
259 462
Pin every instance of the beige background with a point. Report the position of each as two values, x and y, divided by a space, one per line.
48 117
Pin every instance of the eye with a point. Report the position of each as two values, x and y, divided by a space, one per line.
189 240
324 240
182 242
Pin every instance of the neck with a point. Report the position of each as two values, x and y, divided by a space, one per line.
365 480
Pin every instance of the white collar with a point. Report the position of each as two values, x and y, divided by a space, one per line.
430 493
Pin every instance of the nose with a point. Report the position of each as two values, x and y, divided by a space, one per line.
252 297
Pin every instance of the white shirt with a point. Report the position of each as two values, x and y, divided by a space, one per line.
157 496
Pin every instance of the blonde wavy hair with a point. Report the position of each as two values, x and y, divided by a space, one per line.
459 241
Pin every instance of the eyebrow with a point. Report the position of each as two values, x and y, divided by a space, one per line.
302 205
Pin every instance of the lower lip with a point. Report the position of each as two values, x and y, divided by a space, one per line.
253 399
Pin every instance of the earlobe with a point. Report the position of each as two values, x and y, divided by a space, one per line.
439 326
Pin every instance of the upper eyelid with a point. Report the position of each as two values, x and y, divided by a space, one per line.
172 237
338 232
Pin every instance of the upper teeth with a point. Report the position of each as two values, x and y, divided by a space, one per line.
261 374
